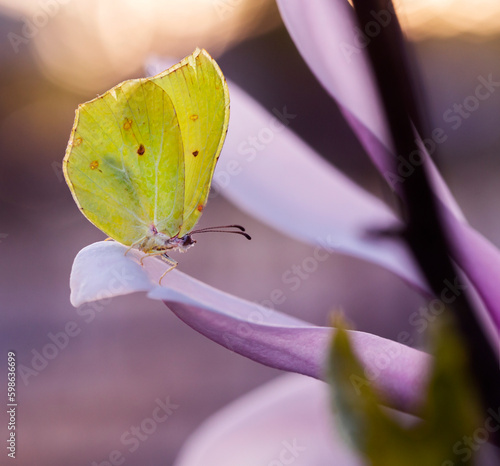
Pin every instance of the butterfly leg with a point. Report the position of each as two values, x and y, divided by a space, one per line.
133 245
150 254
163 256
173 264
126 252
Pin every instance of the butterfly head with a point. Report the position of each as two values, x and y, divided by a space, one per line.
181 244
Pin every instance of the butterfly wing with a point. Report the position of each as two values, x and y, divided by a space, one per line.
124 162
200 97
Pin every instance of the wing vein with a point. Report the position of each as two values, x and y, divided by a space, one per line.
133 214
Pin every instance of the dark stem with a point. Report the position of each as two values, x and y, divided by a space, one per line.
424 230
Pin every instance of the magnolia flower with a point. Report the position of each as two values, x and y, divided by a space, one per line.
284 181
282 422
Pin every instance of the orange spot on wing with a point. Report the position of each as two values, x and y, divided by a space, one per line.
94 165
200 207
194 117
77 142
128 124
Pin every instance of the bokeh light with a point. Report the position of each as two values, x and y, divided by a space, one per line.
444 18
89 45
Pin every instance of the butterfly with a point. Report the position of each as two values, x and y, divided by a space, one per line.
140 158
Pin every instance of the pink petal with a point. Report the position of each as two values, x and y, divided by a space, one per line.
102 270
289 416
330 41
321 30
261 334
284 183
480 261
325 33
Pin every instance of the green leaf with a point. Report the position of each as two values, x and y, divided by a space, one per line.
450 410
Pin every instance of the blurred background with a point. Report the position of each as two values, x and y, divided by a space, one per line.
55 54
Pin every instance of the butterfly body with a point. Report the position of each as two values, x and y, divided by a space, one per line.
156 242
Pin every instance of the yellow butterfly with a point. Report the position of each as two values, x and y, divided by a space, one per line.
140 157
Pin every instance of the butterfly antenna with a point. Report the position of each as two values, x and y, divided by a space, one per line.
239 227
224 229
